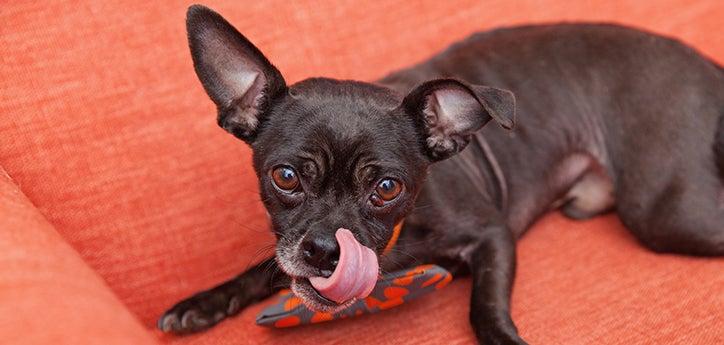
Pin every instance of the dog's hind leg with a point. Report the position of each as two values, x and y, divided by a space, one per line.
719 146
685 219
680 212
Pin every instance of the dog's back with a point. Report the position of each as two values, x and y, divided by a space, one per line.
602 109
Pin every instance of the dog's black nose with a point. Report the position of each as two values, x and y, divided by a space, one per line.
321 252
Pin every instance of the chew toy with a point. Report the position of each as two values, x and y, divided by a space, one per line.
392 290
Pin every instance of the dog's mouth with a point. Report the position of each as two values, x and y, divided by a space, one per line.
353 278
303 289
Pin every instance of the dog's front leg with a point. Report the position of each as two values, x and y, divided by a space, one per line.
207 308
492 265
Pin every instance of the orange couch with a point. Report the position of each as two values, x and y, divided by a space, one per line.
119 195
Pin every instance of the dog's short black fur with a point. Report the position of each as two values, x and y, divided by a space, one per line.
605 116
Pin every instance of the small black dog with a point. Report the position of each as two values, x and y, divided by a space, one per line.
608 116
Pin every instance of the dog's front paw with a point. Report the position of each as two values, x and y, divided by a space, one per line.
198 313
499 337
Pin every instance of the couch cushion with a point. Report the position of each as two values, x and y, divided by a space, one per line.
48 295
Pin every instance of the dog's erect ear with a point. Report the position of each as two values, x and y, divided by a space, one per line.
235 74
449 111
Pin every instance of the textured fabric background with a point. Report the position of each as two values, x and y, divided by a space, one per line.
48 295
105 129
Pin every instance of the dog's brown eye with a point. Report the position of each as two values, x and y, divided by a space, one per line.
386 190
285 178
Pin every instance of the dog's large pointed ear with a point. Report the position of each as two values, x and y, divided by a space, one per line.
448 112
235 74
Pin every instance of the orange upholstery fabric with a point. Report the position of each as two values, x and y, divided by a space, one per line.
105 129
48 295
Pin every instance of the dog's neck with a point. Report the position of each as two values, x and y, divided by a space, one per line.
494 171
484 171
497 172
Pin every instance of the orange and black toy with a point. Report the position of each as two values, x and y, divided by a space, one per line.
391 290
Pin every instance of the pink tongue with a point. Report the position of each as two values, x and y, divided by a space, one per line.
355 274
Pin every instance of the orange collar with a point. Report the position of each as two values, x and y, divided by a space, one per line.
393 240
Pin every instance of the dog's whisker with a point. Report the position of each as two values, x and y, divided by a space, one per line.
261 251
249 228
402 252
426 241
273 284
423 206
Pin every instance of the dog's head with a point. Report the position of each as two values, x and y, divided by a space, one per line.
333 154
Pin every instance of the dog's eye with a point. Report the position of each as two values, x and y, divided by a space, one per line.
386 190
285 178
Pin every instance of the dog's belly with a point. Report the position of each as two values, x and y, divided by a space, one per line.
577 184
588 189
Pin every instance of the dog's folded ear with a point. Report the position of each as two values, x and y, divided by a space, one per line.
235 74
448 112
